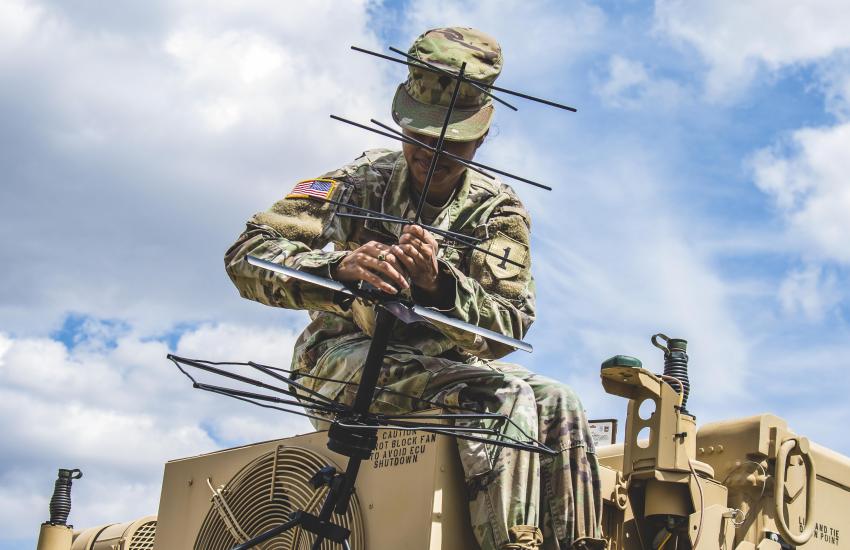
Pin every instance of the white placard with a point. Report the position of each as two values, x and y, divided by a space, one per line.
603 432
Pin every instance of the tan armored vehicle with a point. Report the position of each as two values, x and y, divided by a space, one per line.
738 484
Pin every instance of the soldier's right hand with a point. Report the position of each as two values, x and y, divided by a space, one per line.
374 263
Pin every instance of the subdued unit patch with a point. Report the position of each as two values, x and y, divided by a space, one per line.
507 280
508 250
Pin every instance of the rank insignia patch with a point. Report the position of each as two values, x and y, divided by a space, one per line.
318 188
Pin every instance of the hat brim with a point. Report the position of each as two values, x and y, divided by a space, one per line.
422 118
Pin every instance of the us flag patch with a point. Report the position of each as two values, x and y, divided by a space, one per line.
318 188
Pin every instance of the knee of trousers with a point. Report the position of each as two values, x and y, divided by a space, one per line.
518 390
559 397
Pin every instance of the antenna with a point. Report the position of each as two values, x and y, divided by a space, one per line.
387 131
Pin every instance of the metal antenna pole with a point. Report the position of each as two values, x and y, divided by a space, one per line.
355 442
439 147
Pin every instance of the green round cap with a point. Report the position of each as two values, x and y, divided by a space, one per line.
619 361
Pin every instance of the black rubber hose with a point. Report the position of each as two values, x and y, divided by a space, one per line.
60 502
675 363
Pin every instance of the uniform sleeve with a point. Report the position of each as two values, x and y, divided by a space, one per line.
490 292
292 232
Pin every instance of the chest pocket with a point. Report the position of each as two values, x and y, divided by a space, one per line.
451 254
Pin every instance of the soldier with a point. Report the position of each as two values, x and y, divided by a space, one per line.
511 492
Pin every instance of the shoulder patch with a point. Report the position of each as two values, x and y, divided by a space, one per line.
320 188
506 248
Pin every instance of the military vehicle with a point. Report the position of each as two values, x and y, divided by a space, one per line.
740 484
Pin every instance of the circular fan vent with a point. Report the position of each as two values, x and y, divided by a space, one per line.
263 494
144 536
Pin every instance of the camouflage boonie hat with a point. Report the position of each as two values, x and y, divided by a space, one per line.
421 102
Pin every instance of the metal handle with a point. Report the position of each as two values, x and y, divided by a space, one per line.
801 447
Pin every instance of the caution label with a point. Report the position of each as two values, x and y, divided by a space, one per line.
400 447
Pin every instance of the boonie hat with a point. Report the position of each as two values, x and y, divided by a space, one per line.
421 102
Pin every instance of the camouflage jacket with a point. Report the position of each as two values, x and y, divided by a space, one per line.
488 292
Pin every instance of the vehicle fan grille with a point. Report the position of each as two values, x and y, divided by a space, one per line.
144 536
263 494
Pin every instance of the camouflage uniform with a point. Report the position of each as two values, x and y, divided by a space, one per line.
507 488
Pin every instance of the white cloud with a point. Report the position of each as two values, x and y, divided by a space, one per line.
737 39
808 180
17 20
628 84
811 291
137 140
835 81
118 413
552 34
152 144
613 267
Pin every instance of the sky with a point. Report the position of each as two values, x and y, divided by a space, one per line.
699 191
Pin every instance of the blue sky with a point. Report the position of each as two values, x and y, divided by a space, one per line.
699 191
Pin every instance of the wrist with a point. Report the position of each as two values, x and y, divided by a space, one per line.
334 264
441 295
431 287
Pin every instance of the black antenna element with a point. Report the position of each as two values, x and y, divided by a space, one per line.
426 65
452 235
471 164
440 141
432 68
421 65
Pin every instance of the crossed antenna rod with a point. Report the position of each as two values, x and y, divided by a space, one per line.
438 151
481 86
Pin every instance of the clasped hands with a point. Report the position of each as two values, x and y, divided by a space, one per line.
391 268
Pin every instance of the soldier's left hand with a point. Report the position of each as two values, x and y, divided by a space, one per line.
417 252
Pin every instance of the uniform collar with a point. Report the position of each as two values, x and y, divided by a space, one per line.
396 200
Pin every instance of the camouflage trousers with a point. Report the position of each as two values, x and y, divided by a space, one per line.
506 487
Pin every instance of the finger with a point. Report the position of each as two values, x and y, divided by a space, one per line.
408 262
427 250
373 248
431 240
387 267
376 281
415 231
415 241
413 253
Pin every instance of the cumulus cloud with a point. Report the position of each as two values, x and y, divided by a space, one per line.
553 34
811 291
150 147
739 39
136 140
628 84
118 410
807 178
